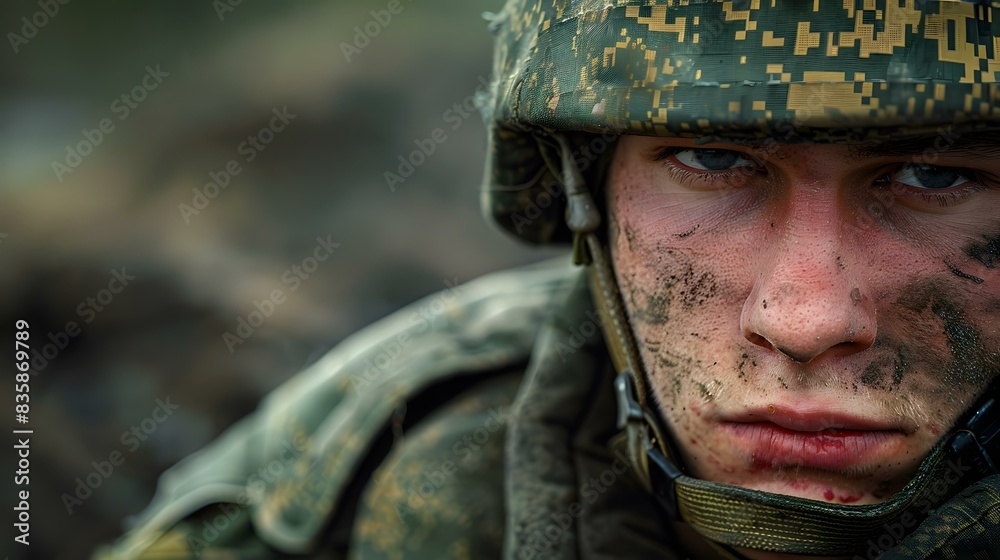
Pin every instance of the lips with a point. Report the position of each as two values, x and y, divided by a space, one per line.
812 439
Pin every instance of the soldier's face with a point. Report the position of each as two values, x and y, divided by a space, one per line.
813 318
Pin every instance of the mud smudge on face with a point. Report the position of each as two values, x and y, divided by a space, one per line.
987 253
689 232
871 376
697 288
705 393
741 367
899 368
651 309
630 237
954 270
666 361
874 376
652 345
970 363
675 393
655 310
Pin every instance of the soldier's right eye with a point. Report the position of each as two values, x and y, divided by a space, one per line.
708 168
712 159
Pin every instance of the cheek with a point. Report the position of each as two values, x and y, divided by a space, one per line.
938 354
677 247
683 284
985 251
951 328
939 311
666 277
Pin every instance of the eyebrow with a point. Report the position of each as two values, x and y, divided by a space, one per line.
975 144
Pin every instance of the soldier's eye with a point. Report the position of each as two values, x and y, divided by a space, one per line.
930 177
712 160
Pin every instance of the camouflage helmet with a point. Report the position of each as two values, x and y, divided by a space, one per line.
819 70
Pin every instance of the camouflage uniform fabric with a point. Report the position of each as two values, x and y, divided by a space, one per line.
517 463
288 464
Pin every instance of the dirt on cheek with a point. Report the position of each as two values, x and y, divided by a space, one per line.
987 252
674 279
651 305
630 238
671 370
962 274
970 362
876 374
748 363
644 305
663 292
656 308
708 391
696 288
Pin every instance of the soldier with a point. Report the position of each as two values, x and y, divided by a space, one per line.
781 341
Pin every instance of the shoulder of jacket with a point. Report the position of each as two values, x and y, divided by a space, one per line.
290 461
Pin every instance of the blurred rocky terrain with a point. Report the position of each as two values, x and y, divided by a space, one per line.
115 117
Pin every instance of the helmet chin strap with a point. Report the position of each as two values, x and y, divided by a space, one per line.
733 516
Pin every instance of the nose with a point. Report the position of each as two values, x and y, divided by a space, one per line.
806 301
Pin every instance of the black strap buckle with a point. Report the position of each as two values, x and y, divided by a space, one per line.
977 439
663 475
662 472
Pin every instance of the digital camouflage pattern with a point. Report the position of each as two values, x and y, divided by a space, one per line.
519 463
820 70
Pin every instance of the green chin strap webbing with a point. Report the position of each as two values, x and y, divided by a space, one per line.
726 514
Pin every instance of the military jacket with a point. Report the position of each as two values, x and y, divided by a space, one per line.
478 423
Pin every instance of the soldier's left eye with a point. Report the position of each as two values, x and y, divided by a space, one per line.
930 177
712 160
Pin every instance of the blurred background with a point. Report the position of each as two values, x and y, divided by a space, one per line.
164 166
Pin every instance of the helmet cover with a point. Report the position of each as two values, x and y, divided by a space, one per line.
797 70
